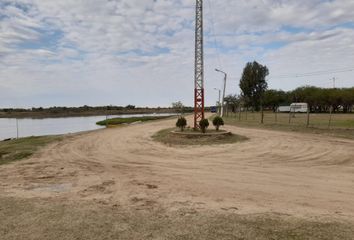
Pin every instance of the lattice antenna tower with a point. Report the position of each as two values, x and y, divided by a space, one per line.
199 66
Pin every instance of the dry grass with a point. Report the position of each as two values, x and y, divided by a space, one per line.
44 219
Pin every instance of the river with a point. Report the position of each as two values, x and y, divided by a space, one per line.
54 126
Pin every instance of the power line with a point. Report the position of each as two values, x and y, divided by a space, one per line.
317 73
213 33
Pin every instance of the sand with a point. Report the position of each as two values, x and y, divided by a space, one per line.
303 175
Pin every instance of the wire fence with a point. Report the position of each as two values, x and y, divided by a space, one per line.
315 120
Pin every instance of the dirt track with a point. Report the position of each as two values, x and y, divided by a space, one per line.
288 173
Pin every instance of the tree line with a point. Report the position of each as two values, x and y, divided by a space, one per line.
256 96
318 99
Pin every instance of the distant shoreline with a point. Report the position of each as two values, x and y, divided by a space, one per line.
61 114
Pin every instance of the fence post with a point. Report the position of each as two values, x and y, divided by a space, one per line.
239 113
330 117
308 116
17 134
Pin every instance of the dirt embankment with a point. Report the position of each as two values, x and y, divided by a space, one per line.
306 176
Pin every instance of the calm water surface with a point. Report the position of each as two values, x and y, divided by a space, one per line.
53 126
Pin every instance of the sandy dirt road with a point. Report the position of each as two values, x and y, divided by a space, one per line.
280 172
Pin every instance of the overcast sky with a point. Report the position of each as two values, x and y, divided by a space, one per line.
119 52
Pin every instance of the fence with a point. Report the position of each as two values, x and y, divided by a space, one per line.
316 120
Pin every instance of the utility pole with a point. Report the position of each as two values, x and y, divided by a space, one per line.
218 103
334 82
17 135
199 66
223 94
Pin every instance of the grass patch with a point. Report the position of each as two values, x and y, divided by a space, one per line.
118 121
342 125
165 136
22 148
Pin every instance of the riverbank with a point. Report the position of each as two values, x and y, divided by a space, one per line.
82 113
119 121
18 149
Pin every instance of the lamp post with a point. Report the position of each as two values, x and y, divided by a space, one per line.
223 94
218 102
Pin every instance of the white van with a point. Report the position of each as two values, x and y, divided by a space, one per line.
283 109
298 107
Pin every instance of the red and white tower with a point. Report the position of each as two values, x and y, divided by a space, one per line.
199 66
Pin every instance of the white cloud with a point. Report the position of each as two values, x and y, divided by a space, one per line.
141 51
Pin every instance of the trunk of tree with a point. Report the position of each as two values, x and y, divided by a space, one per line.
262 115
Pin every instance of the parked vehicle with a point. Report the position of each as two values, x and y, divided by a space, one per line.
298 107
294 108
283 109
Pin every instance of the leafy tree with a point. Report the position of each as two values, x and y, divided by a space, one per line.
234 101
204 124
181 123
253 83
217 122
178 106
274 98
130 107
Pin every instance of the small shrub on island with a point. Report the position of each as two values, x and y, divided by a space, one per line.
181 123
204 124
217 122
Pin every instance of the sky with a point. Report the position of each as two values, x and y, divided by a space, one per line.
141 52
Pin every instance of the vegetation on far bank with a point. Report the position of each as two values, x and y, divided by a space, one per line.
18 149
118 121
167 137
84 111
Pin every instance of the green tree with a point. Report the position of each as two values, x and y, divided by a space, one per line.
178 106
273 98
253 84
181 123
233 101
217 122
204 124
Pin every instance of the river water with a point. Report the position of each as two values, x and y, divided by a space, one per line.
54 126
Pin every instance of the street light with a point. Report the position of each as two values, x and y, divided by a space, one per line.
223 94
218 102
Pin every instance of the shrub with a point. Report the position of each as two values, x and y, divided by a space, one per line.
204 124
217 122
181 123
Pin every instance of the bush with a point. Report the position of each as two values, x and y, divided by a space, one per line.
181 123
204 124
217 122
